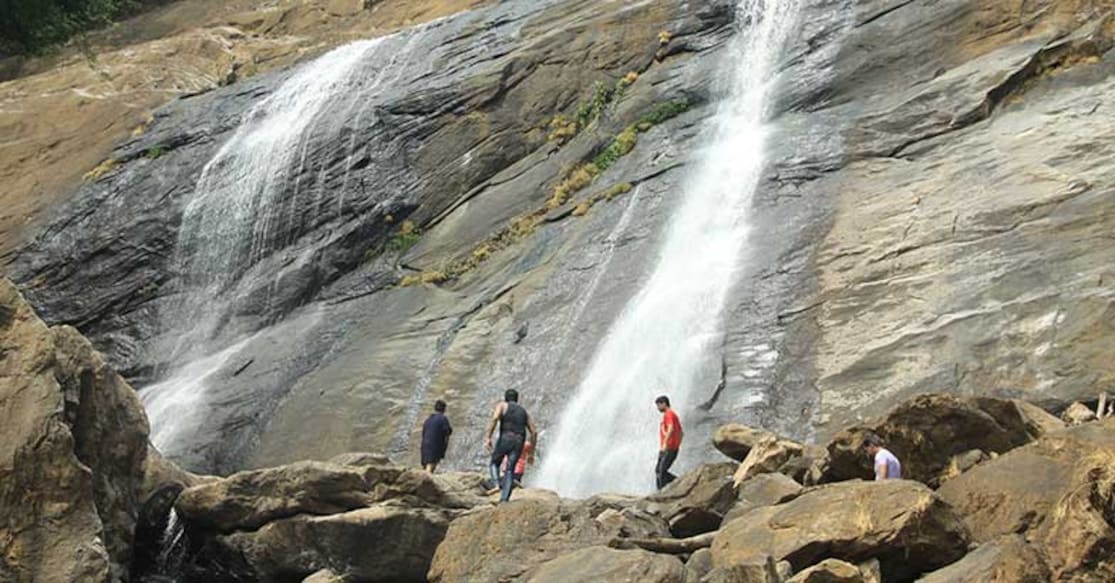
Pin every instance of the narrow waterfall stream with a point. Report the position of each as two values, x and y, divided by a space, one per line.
606 439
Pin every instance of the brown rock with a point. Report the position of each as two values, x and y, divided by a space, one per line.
829 571
769 454
927 431
735 440
807 468
327 576
1058 492
507 541
1006 559
380 543
699 564
961 463
73 438
762 490
765 570
248 500
696 502
605 564
1078 413
903 524
360 458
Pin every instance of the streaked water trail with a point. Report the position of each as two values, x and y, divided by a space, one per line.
607 436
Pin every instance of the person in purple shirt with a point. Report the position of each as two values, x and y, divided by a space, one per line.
435 437
887 466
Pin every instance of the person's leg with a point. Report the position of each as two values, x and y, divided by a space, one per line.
658 470
498 453
508 476
669 457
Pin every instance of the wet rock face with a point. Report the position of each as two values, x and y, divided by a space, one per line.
919 226
459 151
73 439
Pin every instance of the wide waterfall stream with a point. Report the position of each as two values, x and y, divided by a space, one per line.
606 439
253 196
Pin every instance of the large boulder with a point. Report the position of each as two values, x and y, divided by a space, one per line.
735 440
358 516
605 564
379 543
903 524
505 542
73 440
1058 492
248 500
1006 559
927 431
829 571
762 490
1078 414
696 502
769 455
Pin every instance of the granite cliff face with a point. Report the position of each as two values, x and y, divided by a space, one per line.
935 216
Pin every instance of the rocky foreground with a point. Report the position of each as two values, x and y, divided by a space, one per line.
1001 491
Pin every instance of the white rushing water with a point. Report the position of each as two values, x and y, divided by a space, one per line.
607 437
250 198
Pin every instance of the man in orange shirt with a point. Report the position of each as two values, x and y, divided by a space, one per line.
669 442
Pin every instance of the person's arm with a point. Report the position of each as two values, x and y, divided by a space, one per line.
665 437
492 425
533 431
880 469
448 427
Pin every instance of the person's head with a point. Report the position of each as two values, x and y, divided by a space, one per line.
439 406
663 402
872 444
511 396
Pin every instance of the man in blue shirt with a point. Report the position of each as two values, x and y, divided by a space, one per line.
435 437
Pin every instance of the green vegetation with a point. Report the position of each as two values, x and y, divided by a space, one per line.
575 179
407 236
620 147
154 152
663 112
33 26
562 129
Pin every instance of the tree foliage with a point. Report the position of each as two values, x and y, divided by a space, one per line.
32 26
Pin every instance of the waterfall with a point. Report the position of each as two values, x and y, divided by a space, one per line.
253 199
607 437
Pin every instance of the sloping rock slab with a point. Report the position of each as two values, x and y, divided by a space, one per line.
762 490
903 524
735 440
605 564
248 500
380 543
696 502
1005 559
1059 492
505 542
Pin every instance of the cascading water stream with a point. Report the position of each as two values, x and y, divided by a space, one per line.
253 199
607 436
